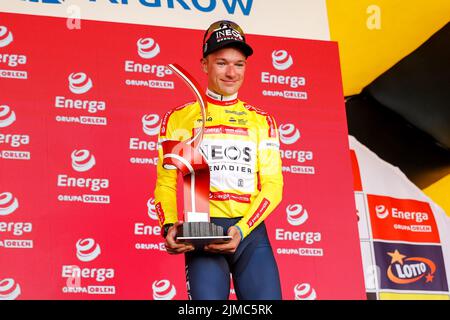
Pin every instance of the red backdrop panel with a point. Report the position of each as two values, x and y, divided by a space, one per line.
78 154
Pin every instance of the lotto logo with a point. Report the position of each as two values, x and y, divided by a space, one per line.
410 266
6 36
147 48
281 60
79 83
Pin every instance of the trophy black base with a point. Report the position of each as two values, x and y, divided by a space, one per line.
200 234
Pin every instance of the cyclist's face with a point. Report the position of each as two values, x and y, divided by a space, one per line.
225 69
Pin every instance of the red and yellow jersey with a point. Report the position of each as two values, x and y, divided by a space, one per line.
241 146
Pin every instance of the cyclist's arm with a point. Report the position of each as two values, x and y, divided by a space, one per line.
166 182
270 177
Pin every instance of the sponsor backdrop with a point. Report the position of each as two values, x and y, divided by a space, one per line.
80 112
405 237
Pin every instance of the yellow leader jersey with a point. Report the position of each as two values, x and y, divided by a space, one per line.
241 146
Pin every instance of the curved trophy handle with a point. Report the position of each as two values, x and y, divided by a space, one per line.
200 96
185 156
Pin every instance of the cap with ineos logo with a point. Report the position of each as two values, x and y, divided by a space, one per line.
223 34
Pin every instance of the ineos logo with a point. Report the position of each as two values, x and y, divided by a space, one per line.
82 160
281 59
8 203
289 134
6 36
147 48
304 291
7 116
87 250
79 83
163 290
150 124
233 153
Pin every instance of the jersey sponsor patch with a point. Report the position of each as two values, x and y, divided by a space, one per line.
221 129
224 196
269 144
160 213
258 213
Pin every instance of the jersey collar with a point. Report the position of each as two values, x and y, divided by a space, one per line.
221 100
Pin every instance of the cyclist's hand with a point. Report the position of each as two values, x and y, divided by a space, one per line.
229 247
173 247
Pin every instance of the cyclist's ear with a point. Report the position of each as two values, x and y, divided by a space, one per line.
204 63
